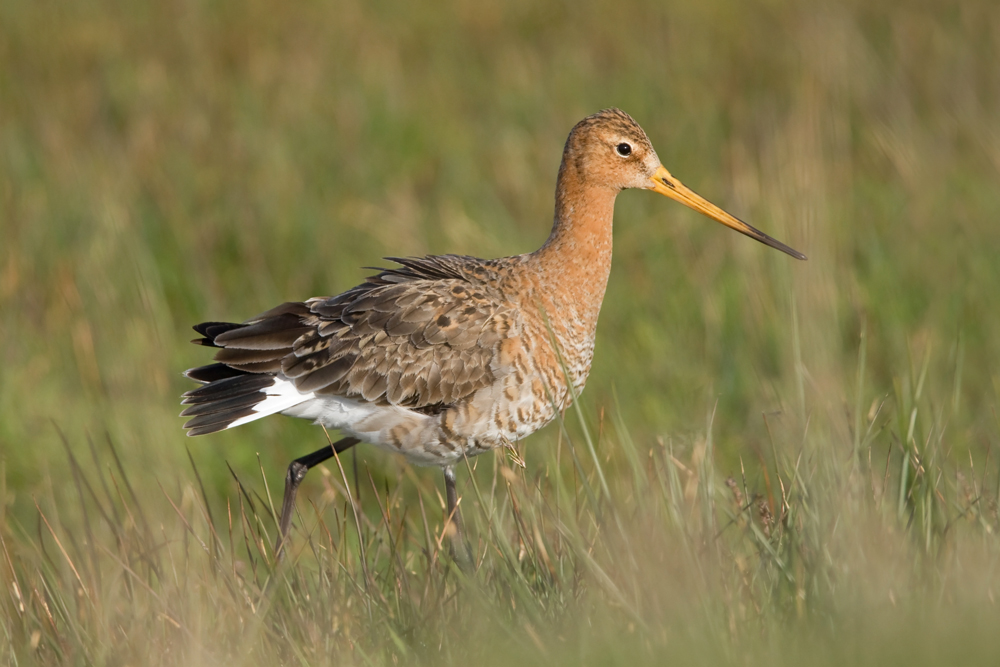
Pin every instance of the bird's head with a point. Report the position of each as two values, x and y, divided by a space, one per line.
609 149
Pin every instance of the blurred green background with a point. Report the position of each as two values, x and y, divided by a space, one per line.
167 163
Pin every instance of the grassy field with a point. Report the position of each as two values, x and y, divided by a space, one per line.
774 461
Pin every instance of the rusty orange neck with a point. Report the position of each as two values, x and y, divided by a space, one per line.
574 264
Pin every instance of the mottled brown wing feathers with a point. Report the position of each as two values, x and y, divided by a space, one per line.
435 267
421 335
414 343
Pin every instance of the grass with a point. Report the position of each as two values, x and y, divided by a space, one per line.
773 461
824 560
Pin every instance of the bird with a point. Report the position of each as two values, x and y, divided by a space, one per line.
444 357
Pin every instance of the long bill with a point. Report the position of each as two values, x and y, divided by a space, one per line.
666 184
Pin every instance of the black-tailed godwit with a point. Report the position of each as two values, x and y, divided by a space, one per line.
449 356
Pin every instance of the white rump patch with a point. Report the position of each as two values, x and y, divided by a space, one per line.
281 396
352 416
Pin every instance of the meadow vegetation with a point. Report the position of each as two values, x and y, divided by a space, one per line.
774 461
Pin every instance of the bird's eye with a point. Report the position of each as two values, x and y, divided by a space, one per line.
623 149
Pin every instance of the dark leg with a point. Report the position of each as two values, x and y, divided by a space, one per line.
297 470
459 549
